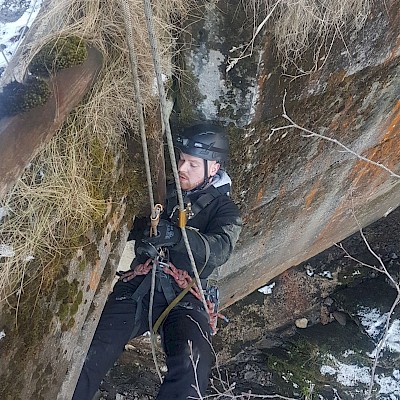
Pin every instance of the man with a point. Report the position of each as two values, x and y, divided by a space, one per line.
213 228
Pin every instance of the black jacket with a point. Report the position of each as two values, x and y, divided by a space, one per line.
216 224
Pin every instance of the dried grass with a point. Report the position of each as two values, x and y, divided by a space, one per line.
59 195
301 25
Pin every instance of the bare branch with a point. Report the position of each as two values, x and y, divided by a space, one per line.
382 269
233 61
309 134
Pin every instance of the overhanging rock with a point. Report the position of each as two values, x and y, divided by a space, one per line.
298 195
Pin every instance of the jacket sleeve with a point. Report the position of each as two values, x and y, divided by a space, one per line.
216 241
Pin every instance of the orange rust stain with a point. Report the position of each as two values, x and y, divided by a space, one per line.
311 195
387 152
260 195
95 276
366 177
392 126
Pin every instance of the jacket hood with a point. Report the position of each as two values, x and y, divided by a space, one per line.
222 181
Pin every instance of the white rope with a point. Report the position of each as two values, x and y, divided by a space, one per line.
152 335
139 102
163 106
139 109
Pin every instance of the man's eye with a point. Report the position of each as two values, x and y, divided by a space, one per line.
194 165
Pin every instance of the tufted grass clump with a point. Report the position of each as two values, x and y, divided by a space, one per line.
62 199
20 97
58 54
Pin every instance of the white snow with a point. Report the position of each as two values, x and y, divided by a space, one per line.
2 334
374 325
348 353
389 385
6 251
10 31
353 375
347 375
267 289
326 274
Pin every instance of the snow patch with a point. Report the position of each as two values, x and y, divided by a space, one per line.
389 385
374 325
267 289
11 32
348 353
352 375
2 334
347 375
372 321
326 274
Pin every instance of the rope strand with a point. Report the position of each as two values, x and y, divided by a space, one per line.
139 109
139 102
163 106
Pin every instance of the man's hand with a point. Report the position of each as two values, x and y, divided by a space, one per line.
168 235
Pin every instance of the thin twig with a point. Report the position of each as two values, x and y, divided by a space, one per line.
310 134
234 61
382 269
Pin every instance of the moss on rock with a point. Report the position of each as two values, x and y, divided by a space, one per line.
59 54
20 97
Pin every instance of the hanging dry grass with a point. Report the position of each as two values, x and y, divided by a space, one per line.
62 192
301 25
304 24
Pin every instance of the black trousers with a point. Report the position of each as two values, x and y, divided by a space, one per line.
182 325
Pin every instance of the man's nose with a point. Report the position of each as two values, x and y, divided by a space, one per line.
182 166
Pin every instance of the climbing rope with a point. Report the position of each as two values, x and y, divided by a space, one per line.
139 103
163 106
155 210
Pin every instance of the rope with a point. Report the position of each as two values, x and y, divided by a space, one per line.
139 103
163 106
152 335
139 109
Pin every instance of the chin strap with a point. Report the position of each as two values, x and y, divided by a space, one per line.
206 177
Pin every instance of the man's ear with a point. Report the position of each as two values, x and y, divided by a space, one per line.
214 168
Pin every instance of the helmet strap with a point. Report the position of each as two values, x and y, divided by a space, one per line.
206 177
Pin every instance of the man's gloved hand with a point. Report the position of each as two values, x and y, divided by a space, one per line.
168 235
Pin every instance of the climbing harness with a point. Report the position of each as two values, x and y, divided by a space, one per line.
184 281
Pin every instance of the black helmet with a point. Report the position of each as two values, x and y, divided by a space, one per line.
205 140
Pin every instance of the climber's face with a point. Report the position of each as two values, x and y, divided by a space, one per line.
191 171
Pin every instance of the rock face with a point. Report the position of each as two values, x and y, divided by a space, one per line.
298 194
